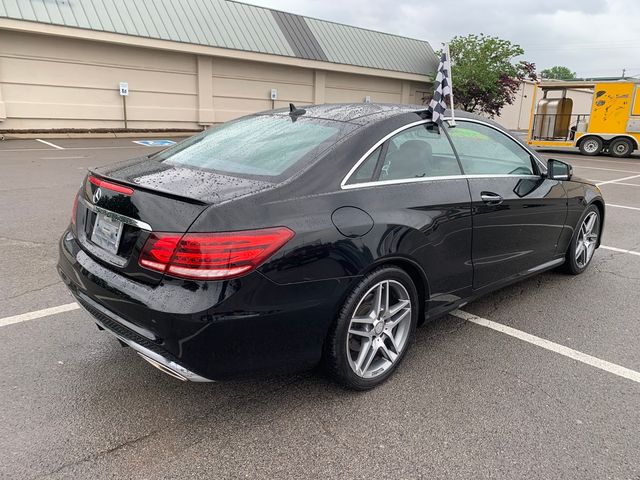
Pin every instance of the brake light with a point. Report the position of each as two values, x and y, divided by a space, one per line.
212 256
74 210
114 187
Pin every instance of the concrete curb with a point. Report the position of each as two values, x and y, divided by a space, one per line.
27 136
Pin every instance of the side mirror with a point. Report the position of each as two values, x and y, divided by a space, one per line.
557 170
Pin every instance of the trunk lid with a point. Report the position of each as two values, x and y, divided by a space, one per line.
119 205
183 182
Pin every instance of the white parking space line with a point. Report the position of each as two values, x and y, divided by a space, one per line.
580 158
621 250
627 184
618 180
519 334
622 206
551 346
50 144
608 169
23 317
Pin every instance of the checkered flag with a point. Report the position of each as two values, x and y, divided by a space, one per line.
438 104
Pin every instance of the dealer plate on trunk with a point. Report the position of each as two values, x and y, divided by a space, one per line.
106 233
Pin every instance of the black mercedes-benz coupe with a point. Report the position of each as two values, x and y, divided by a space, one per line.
316 235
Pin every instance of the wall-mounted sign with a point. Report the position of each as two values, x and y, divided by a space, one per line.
124 89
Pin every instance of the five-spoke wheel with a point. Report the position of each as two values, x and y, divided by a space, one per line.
587 239
374 328
379 328
584 241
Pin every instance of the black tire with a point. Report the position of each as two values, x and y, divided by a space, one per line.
591 146
336 355
620 147
571 264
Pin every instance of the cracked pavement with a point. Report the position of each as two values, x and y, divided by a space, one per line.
468 402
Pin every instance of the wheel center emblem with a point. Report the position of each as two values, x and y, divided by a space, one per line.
97 195
378 327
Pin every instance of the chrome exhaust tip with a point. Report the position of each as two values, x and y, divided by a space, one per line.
163 368
163 364
156 359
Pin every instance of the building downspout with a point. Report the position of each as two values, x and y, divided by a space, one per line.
206 116
319 85
3 110
524 87
405 93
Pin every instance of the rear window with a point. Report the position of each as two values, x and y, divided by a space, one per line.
265 146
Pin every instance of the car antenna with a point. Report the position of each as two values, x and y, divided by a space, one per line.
295 112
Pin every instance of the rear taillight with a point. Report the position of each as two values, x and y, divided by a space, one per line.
212 256
114 187
74 210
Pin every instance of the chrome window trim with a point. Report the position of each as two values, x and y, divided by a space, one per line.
345 186
116 216
432 179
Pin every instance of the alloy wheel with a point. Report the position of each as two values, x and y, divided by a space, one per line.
587 239
379 329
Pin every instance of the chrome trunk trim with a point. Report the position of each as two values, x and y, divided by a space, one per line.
116 216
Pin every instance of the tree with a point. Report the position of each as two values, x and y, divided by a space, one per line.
558 73
485 76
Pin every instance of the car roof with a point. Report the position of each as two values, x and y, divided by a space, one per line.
367 113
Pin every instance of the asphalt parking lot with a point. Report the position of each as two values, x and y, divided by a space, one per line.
469 401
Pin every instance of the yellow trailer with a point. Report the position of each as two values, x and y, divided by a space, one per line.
611 126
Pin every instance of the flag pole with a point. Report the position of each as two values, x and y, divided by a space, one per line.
452 123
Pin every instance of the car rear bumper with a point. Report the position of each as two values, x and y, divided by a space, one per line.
205 331
116 326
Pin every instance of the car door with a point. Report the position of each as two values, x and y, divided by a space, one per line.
518 214
412 185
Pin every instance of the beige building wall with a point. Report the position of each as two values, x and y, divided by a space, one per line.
241 87
54 82
348 88
517 115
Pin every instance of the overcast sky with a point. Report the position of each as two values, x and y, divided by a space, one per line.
591 37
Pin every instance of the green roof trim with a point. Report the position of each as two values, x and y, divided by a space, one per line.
233 25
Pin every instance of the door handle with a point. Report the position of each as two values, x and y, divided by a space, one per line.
491 198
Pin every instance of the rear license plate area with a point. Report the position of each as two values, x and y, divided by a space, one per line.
106 233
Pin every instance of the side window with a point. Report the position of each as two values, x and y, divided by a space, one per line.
420 151
364 173
485 150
